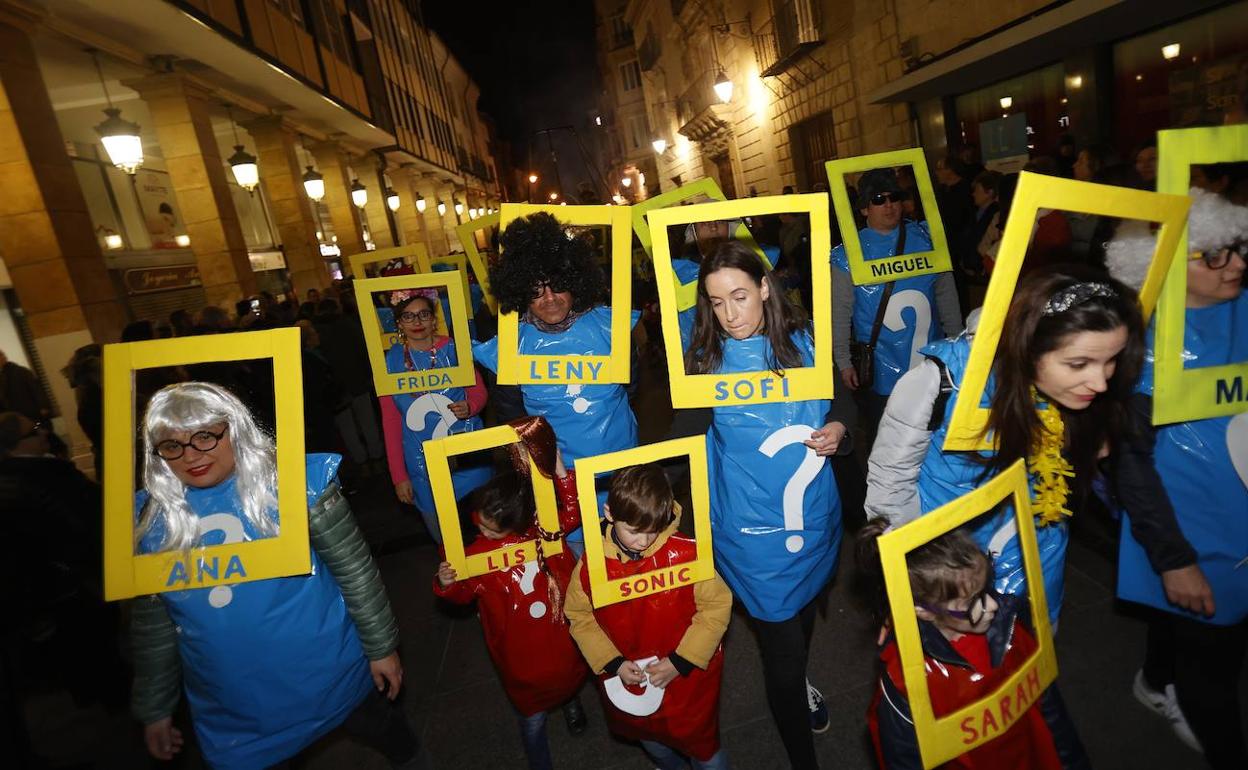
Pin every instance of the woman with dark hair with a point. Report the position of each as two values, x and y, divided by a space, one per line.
409 420
1069 355
775 563
550 277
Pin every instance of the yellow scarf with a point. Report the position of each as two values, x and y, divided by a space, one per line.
1050 468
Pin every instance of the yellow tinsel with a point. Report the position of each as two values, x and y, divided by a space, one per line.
1050 469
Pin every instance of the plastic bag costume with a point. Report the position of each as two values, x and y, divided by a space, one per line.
687 717
775 509
271 665
537 661
898 346
587 419
1203 465
947 476
428 416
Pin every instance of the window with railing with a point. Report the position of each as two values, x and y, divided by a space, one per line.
648 53
621 33
795 28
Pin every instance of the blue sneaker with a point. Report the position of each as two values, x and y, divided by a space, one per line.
819 719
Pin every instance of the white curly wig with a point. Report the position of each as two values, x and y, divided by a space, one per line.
194 406
1212 223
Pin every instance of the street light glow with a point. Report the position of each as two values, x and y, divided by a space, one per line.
1006 102
533 178
1171 50
659 145
627 181
359 194
314 184
723 87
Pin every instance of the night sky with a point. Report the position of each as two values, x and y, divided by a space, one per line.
535 63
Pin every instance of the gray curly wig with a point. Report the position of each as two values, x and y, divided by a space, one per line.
193 406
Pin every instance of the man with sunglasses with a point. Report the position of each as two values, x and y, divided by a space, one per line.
917 310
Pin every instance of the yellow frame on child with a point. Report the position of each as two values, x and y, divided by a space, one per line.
388 383
517 369
460 263
864 272
686 293
606 591
127 574
798 384
944 738
969 422
437 457
414 254
464 232
1198 393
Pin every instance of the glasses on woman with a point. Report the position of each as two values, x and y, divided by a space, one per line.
408 316
1220 258
879 199
202 440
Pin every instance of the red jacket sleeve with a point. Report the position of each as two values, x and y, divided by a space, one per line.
392 429
459 592
569 505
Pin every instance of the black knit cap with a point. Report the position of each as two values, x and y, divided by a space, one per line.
874 182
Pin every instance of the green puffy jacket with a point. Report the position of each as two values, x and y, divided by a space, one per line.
340 544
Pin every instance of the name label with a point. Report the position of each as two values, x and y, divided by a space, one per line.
1229 391
653 582
747 388
554 369
898 265
1003 711
206 571
424 380
503 559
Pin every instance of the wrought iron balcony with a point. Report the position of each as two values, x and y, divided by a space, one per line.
648 53
698 109
795 29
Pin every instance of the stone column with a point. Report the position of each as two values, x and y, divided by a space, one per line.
181 118
46 237
411 222
375 212
292 211
343 214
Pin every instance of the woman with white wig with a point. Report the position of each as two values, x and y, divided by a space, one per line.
269 666
1184 491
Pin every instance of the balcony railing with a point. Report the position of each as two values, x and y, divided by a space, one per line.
648 53
621 39
795 29
698 109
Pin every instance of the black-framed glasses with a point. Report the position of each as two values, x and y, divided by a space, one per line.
201 440
408 316
1216 260
556 285
879 199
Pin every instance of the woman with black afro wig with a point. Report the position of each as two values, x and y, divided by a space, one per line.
550 278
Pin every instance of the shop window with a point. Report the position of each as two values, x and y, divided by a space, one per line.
1042 96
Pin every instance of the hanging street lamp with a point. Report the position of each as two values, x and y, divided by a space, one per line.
359 194
120 137
314 184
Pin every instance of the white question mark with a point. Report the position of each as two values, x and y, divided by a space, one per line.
638 705
795 490
922 320
431 403
580 405
538 608
1237 444
232 527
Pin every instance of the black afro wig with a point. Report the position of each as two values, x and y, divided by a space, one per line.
537 248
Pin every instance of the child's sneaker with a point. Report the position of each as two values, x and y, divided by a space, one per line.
574 716
1166 704
819 720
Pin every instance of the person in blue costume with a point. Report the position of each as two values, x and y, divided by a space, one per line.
1184 491
775 510
554 283
408 420
920 310
268 666
1070 351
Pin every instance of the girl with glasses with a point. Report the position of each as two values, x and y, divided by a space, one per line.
409 420
974 639
267 666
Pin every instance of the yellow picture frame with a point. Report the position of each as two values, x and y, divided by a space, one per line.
1179 393
517 369
868 272
457 262
969 421
127 574
414 254
606 591
437 456
798 384
464 232
387 383
944 738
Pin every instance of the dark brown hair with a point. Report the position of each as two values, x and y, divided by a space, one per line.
641 497
1029 333
506 501
940 570
538 440
781 318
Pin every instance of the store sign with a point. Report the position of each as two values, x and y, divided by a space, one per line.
145 280
1004 143
266 260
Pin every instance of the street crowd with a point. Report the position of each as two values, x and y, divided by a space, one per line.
270 666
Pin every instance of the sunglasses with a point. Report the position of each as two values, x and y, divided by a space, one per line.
1216 260
203 441
879 199
408 316
556 285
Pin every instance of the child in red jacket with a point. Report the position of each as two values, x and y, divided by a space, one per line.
659 656
973 640
521 607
